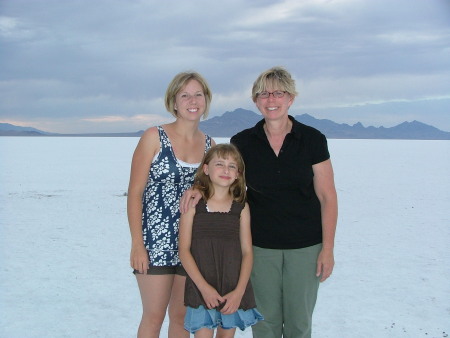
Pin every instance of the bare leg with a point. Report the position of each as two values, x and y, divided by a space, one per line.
222 333
177 310
155 294
204 333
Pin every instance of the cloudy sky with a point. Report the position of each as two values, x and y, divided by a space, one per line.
74 66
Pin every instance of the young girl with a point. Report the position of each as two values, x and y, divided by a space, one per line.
215 249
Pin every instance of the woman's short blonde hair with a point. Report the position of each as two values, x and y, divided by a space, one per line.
276 78
178 83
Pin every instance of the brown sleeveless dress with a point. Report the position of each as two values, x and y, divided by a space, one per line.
216 249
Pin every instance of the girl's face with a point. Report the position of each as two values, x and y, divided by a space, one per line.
190 102
222 171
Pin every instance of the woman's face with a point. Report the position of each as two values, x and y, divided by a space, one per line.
274 107
190 101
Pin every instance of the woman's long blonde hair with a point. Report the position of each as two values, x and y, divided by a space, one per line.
203 183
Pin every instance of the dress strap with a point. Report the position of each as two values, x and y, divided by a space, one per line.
208 142
163 138
236 208
165 145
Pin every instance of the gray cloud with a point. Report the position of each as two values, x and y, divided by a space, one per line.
73 66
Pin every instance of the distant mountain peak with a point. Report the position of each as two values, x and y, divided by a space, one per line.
238 111
358 125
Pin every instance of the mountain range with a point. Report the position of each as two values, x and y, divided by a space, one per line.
232 122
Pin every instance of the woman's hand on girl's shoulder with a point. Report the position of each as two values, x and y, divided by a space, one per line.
189 200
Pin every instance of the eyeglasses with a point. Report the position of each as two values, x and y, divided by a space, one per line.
276 94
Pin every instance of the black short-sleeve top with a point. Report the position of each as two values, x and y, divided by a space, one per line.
285 210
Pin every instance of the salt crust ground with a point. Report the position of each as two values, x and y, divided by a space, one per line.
64 240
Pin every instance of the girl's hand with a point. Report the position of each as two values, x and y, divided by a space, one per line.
233 300
211 297
139 258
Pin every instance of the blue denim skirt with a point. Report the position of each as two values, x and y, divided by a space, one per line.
201 317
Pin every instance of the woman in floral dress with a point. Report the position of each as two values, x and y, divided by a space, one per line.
163 167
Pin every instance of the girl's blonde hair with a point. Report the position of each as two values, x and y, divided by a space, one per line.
179 81
203 183
276 78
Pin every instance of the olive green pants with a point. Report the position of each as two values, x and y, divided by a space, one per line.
285 287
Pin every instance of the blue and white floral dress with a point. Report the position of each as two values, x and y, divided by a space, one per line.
168 179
